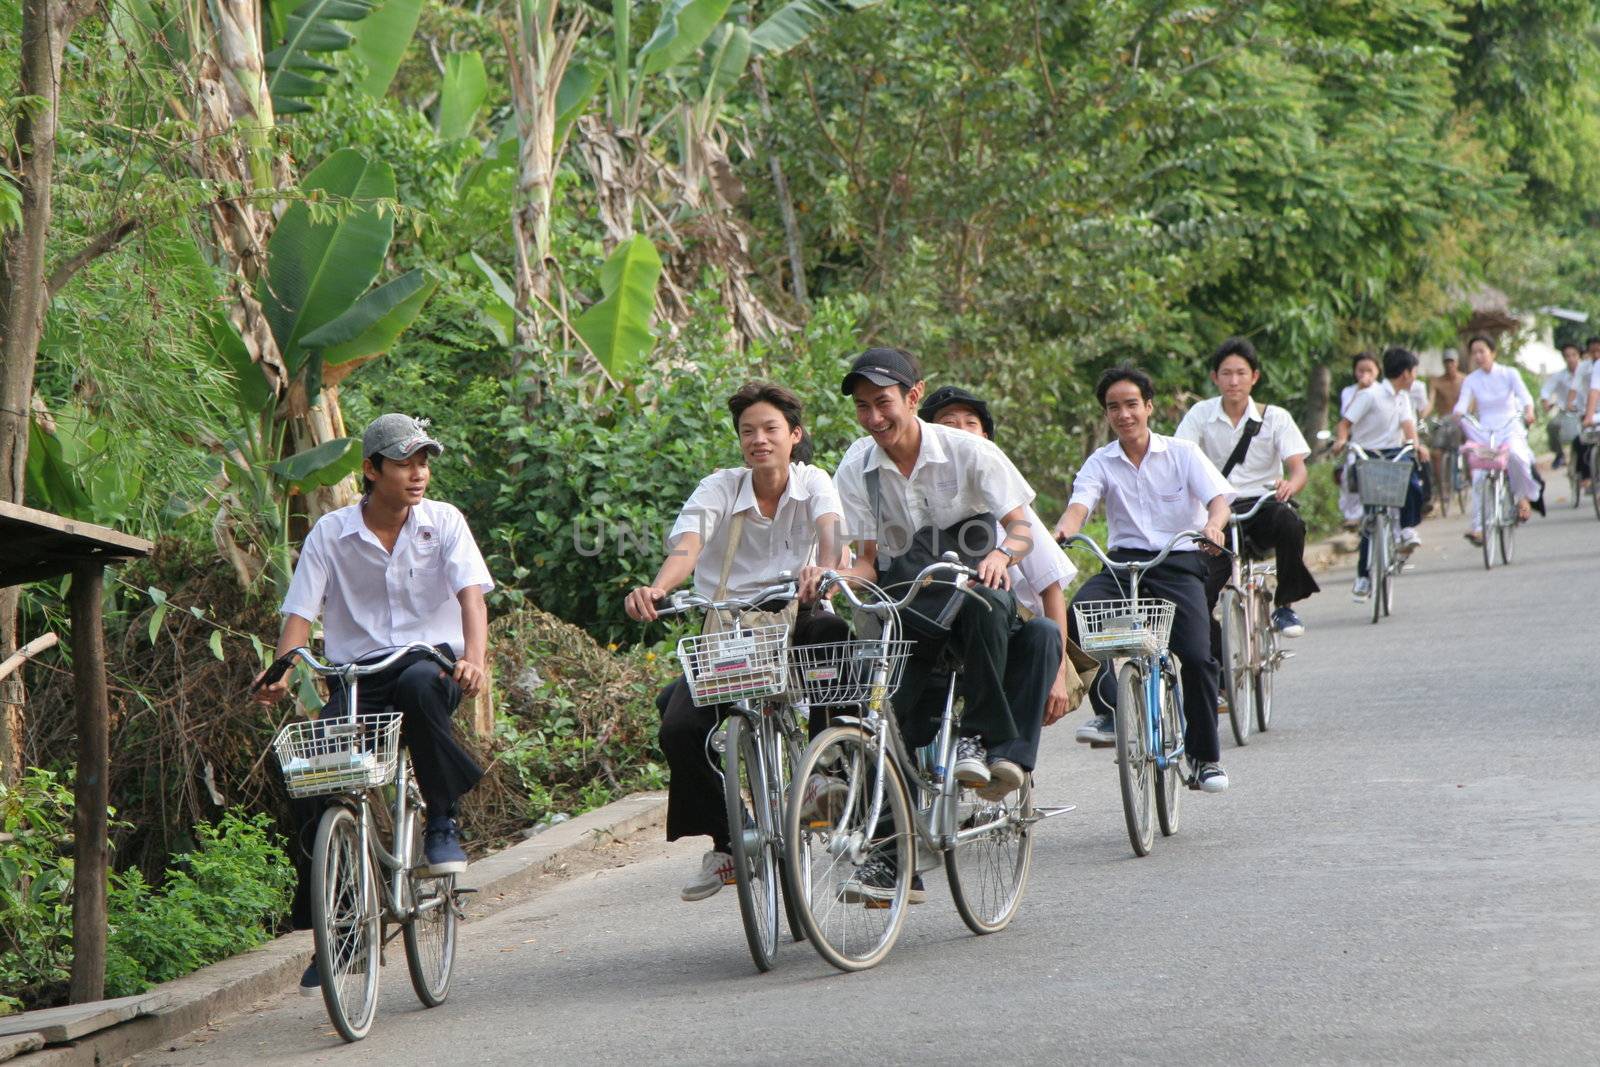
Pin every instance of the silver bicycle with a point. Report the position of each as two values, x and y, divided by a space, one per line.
1383 485
365 876
1250 652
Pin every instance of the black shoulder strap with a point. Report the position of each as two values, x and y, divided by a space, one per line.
875 492
1251 428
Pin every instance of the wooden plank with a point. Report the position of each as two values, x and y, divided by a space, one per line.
125 544
55 1026
91 789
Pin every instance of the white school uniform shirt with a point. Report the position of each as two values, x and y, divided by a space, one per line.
1344 397
1148 504
956 475
372 601
785 542
1582 382
1208 425
1044 565
1375 415
1419 397
1501 396
1558 388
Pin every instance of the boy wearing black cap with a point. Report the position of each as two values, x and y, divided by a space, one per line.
907 485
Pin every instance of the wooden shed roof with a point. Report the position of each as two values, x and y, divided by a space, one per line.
37 544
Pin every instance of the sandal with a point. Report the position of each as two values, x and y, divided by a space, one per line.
1475 537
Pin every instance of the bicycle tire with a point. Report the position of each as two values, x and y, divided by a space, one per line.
1169 782
1574 483
791 757
1394 563
988 874
1236 666
429 935
1594 480
1447 484
1508 524
1135 771
847 752
1266 648
1377 563
346 925
1487 520
752 838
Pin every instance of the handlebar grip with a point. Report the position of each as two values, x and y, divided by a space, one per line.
272 674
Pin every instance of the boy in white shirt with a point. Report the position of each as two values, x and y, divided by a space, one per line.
1381 422
1366 371
1154 488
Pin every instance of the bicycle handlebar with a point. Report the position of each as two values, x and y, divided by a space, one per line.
1245 516
1140 566
949 563
781 588
1362 453
281 665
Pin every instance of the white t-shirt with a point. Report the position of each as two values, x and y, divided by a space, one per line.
1044 565
1208 425
1500 396
956 475
1419 397
372 601
785 542
1344 397
1376 415
1163 496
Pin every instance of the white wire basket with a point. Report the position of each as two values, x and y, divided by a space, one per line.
1383 483
840 672
338 754
1108 628
736 664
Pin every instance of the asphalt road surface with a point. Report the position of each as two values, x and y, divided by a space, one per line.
1406 869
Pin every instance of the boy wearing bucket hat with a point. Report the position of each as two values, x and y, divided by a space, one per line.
392 569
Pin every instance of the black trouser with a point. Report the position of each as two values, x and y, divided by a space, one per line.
426 697
994 697
1181 579
1277 528
1580 458
695 804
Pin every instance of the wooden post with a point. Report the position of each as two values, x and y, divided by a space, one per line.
92 790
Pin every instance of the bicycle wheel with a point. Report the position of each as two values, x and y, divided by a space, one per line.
1508 522
752 835
430 933
1594 480
788 756
1135 769
1447 484
1463 485
1487 515
1236 665
851 926
1574 483
988 873
1266 662
346 924
1377 562
1394 564
1169 782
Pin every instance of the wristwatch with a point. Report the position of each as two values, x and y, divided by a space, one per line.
1012 556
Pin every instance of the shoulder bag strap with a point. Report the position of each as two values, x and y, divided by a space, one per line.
1251 428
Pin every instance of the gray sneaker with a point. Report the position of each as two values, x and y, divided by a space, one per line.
972 762
1005 778
716 871
1100 730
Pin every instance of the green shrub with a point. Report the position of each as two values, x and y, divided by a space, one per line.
35 890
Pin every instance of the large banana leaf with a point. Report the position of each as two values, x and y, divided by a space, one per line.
793 23
381 40
326 464
684 27
373 323
500 308
317 268
310 30
461 94
617 328
727 56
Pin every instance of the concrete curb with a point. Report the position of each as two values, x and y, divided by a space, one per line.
235 984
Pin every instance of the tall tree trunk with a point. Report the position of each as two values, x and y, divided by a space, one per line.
30 155
780 186
1317 390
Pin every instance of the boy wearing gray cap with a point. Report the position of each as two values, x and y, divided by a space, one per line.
392 569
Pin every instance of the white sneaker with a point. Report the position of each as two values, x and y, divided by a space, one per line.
972 764
716 871
822 800
1362 589
1005 778
1409 541
1211 778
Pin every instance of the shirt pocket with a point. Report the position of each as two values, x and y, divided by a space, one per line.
1170 504
427 581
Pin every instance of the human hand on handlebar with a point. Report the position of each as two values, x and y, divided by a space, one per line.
641 603
269 694
1282 490
994 571
1211 543
810 578
469 676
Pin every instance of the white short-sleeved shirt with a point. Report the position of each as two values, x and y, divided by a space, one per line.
372 601
957 475
785 542
1344 397
1208 425
1419 397
1147 505
1558 388
1376 415
1500 396
1044 565
1583 381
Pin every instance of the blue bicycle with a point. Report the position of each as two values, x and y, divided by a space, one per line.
1149 712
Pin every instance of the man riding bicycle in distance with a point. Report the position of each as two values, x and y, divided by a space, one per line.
392 569
1558 397
1039 584
1155 487
1251 446
741 527
1380 420
1443 392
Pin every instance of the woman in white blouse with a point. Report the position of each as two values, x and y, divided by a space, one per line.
740 527
1504 409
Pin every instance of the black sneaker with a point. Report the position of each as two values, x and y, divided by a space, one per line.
873 885
311 980
972 762
441 844
1210 777
1098 731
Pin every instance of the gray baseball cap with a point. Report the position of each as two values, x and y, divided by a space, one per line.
397 436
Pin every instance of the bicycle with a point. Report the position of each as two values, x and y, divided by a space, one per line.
1497 508
747 668
1569 432
1250 652
1588 444
1382 484
349 759
1453 481
892 810
1149 712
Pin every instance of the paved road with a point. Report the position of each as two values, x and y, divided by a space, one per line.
1406 869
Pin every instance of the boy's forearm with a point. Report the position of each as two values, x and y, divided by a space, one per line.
296 633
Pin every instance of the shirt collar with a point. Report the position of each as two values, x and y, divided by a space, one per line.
746 500
931 451
1158 443
1250 412
418 519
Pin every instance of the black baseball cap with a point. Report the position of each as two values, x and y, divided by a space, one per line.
883 367
948 395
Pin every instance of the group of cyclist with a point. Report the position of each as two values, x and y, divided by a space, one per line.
928 476
1571 396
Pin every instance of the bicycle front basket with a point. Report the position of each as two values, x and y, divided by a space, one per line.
1484 458
1108 628
1383 483
338 754
840 672
736 664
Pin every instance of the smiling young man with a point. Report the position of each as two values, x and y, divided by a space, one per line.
1252 446
392 569
1154 488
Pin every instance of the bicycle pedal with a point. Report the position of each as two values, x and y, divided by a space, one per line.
460 889
1102 744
